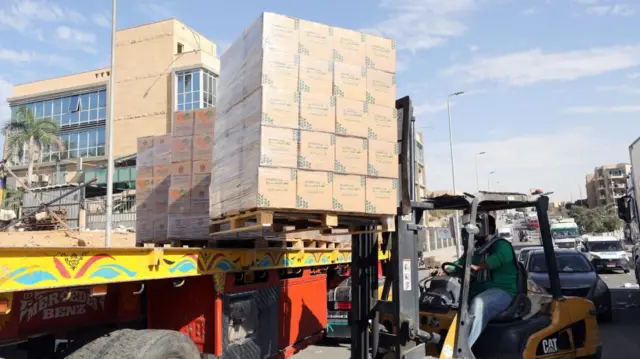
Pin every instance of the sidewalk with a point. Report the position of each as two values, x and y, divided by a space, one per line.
436 257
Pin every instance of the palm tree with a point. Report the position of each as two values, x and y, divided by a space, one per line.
38 134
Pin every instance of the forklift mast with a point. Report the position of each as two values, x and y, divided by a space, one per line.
406 340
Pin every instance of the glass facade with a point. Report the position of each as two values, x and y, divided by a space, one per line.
196 88
82 119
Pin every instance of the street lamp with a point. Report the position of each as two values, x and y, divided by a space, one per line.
489 180
453 170
477 176
110 123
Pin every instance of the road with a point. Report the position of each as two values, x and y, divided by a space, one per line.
620 337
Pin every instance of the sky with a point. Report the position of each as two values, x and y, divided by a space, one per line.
552 87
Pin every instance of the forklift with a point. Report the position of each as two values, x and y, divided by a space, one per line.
565 327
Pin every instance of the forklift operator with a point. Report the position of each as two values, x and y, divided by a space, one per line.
495 282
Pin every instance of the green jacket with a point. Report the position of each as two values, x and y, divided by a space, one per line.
504 271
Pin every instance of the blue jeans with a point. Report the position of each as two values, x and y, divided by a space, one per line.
484 307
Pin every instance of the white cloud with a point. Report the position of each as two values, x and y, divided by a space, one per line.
634 75
601 109
611 10
530 11
474 48
624 89
25 16
67 33
554 161
422 24
14 56
533 66
585 2
430 108
101 20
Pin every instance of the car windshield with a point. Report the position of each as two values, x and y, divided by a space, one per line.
609 246
571 244
567 263
524 252
565 233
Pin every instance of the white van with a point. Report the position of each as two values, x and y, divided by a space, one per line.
505 233
606 252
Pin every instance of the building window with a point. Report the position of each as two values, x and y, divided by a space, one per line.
180 48
76 114
196 89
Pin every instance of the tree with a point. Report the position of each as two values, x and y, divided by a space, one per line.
595 220
38 134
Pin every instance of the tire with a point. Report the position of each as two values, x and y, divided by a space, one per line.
92 344
606 316
152 344
626 271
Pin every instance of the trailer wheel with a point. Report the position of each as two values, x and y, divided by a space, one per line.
152 344
91 345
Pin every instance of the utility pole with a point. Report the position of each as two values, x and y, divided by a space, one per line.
477 175
453 173
110 123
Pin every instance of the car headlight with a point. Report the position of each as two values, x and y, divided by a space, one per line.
601 288
594 256
624 256
534 288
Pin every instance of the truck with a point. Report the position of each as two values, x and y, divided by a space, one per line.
628 206
565 233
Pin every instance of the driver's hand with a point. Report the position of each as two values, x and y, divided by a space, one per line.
441 273
475 268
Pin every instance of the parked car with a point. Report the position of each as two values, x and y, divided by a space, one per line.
578 278
505 233
524 253
606 252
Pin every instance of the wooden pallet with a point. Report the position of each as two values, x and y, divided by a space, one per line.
279 224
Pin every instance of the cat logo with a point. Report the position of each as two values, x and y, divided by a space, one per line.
550 345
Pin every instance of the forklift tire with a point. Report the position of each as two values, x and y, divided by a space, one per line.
93 343
152 344
606 317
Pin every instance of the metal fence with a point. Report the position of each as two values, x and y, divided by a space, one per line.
69 205
124 211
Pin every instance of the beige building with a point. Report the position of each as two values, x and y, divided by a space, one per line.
160 68
606 184
420 179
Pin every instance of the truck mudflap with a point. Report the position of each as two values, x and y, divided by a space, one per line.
248 323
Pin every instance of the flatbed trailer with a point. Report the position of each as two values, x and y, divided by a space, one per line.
240 303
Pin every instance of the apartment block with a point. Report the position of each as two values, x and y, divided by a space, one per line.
160 68
606 184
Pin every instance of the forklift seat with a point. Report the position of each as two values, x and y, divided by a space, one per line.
520 304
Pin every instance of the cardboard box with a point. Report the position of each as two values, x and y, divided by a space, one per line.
144 187
202 147
317 151
348 193
351 155
144 172
198 227
160 172
315 40
182 124
179 199
317 112
316 75
278 147
381 195
314 190
200 200
144 230
350 118
380 53
161 150
181 149
383 159
272 188
381 88
145 205
272 68
177 226
181 174
275 30
161 202
144 156
383 122
349 81
201 173
204 121
348 46
160 228
272 107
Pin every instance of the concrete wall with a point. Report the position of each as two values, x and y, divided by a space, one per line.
60 84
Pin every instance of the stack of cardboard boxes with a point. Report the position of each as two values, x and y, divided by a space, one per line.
174 174
306 120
